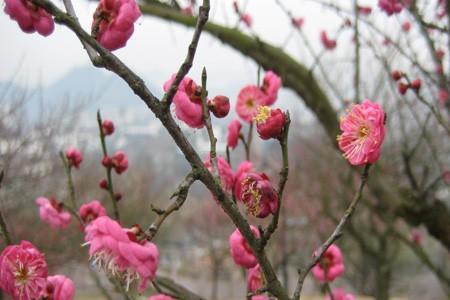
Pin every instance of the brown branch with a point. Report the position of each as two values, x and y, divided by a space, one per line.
334 236
3 226
203 15
181 195
180 291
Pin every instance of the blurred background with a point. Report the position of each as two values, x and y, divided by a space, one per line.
49 95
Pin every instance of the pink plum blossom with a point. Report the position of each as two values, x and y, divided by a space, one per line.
120 162
59 287
260 297
187 101
270 122
119 253
160 297
270 87
247 19
30 17
74 157
243 169
340 294
225 172
107 127
392 6
255 279
249 99
330 265
51 212
115 21
23 271
234 130
91 211
328 43
219 106
297 22
258 195
240 250
362 133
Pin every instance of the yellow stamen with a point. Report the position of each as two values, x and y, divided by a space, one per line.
263 113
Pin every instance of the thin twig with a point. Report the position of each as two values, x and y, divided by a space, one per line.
187 64
334 236
70 186
181 195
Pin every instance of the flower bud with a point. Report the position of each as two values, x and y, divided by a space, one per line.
107 127
397 75
103 184
107 162
74 157
416 84
270 122
402 88
219 106
118 196
120 162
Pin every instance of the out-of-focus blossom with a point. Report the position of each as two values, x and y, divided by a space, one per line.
340 294
330 265
225 172
74 157
240 250
328 43
91 211
365 10
120 162
59 287
271 85
246 19
362 133
249 99
234 130
392 6
406 26
52 213
30 17
297 22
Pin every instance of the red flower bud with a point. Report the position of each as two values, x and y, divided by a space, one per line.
120 162
103 184
118 196
406 26
416 84
107 127
219 106
440 54
297 22
396 75
107 162
74 157
270 122
402 88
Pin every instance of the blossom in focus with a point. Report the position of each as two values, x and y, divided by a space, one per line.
117 251
362 133
59 287
328 43
74 157
91 211
225 172
257 194
23 271
114 20
234 130
270 122
255 279
120 162
187 101
249 99
219 106
243 169
271 85
240 250
30 17
107 127
340 294
330 265
52 213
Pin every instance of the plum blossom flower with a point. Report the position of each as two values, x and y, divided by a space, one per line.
114 20
391 7
362 133
260 297
255 279
51 212
365 10
187 101
340 294
271 85
270 122
23 271
59 287
107 127
219 106
118 252
30 17
297 22
120 162
234 130
406 26
225 172
243 169
246 19
74 157
257 194
249 99
330 265
188 10
240 250
328 43
160 297
91 211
